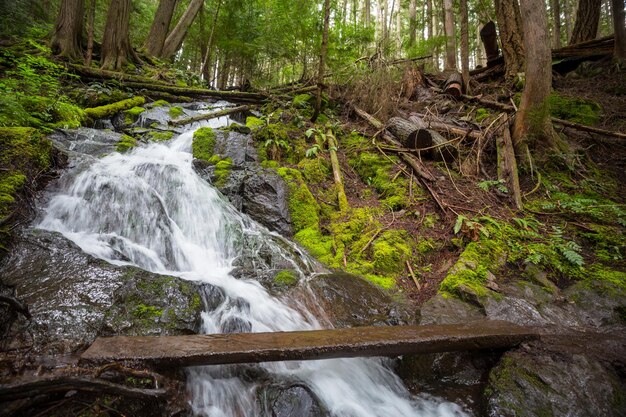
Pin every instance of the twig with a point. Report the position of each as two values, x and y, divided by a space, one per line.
417 284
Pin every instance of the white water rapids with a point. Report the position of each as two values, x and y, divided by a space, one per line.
149 208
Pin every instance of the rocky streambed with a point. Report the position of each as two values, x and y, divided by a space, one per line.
74 297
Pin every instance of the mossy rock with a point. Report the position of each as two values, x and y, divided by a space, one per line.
176 112
203 145
391 251
126 143
286 278
131 115
158 136
104 112
152 304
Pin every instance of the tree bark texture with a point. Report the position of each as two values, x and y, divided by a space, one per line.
556 20
465 45
68 31
489 37
450 35
412 22
323 50
587 20
533 117
116 43
206 64
619 31
160 27
175 39
90 30
511 36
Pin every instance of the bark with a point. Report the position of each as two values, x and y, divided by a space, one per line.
412 22
489 38
454 84
323 50
556 28
511 36
367 13
450 63
334 162
206 64
90 30
465 45
568 18
433 144
160 27
175 39
619 31
507 165
209 116
116 48
68 31
587 20
533 117
429 18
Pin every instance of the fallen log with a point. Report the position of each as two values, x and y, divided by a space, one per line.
104 112
208 116
95 73
200 92
57 384
443 127
507 164
590 129
454 85
334 162
594 47
192 350
413 134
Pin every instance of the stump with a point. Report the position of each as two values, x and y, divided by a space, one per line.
454 85
489 37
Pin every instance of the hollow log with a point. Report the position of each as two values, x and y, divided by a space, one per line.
454 84
444 127
489 37
208 116
436 146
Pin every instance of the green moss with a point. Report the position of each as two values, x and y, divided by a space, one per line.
314 170
126 143
158 136
10 184
482 114
607 280
286 278
302 100
109 110
203 145
145 312
574 109
390 252
175 112
302 205
222 171
159 103
132 115
236 127
254 122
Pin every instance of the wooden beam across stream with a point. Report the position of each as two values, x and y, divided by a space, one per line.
214 349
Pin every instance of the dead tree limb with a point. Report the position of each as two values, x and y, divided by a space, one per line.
58 384
590 129
334 162
209 116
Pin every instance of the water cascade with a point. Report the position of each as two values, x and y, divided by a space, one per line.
150 209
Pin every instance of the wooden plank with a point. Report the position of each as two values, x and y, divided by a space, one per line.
305 345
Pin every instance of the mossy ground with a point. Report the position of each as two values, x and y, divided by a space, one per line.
203 148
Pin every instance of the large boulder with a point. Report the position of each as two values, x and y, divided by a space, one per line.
295 400
74 297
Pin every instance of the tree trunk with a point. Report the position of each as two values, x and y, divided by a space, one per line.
175 39
465 45
619 31
587 19
68 31
568 18
90 30
160 27
556 29
367 13
511 36
116 43
206 65
454 84
533 117
450 36
412 22
323 49
429 18
489 37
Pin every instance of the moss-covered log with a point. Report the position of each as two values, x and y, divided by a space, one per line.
109 110
98 74
199 92
208 116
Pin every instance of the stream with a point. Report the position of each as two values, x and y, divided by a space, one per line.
149 208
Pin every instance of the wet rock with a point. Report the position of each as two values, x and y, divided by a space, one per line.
291 401
351 301
236 325
74 297
576 375
450 310
84 140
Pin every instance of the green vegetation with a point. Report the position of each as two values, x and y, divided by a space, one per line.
132 115
203 145
175 112
109 110
157 136
286 278
126 143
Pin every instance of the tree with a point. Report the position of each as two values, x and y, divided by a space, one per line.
465 45
116 49
90 30
556 30
160 27
175 39
533 119
206 63
412 22
620 31
450 63
587 19
68 31
511 36
323 51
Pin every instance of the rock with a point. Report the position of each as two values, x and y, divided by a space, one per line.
351 301
84 140
75 297
578 375
291 401
450 310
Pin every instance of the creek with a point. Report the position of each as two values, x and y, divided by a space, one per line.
149 208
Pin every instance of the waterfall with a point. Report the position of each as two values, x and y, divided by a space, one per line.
150 209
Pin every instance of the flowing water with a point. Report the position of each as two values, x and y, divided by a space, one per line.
149 208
